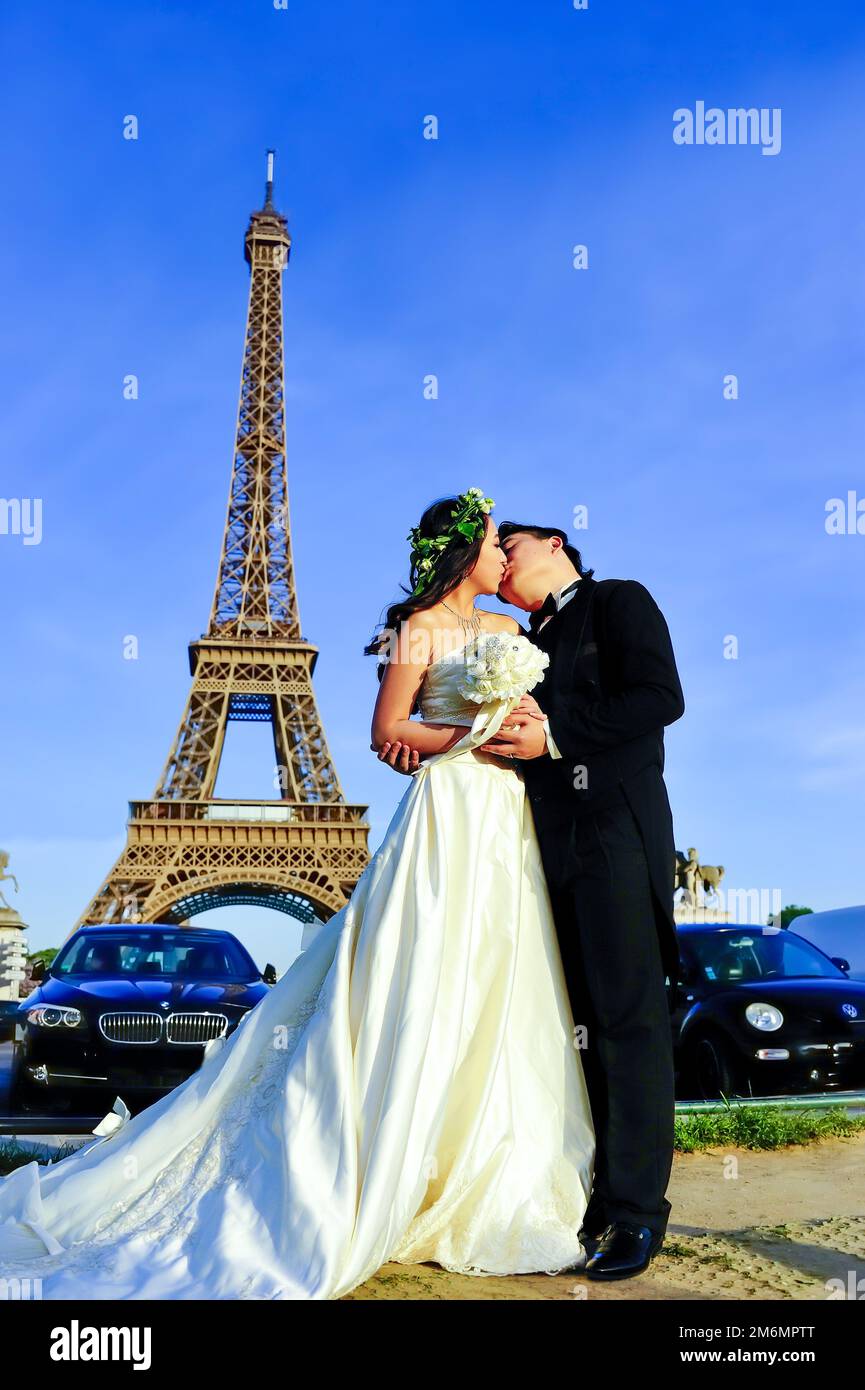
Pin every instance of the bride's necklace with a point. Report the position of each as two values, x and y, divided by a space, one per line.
470 626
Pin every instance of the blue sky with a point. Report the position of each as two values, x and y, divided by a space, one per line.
558 387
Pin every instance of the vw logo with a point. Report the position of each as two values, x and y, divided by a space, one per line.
850 1010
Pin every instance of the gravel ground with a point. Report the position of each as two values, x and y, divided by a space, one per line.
773 1224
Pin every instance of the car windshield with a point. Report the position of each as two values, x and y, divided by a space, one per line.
731 957
178 955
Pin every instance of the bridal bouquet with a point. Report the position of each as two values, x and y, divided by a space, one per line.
502 666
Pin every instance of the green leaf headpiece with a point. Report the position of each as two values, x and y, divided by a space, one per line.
466 525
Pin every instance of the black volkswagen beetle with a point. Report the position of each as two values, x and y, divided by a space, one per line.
761 1011
128 1011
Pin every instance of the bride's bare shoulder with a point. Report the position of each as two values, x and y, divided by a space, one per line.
421 620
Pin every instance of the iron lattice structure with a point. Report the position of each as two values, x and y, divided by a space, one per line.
185 850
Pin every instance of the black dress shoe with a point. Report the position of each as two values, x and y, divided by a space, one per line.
592 1229
623 1250
590 1233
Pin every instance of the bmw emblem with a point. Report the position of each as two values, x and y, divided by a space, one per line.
850 1010
163 1005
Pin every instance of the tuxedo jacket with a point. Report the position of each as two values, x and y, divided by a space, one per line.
609 691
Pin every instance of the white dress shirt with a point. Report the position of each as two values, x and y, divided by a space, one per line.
561 599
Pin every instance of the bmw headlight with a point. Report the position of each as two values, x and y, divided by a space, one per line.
765 1017
54 1016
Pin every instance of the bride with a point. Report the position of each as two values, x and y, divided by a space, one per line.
409 1090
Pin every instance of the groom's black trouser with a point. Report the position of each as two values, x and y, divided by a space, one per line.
604 913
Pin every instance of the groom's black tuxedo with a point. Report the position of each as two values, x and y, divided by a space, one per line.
610 688
606 836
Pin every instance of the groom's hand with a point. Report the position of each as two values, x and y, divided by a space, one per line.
399 756
528 740
529 705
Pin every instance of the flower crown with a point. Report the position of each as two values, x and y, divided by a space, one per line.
468 522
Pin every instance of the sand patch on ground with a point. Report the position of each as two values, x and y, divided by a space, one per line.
762 1224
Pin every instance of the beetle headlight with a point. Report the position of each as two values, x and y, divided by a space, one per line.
765 1017
54 1016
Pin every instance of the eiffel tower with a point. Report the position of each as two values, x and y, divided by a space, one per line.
186 851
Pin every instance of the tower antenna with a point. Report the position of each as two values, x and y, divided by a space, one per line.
268 187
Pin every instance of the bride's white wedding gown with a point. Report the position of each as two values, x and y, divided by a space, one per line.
407 1091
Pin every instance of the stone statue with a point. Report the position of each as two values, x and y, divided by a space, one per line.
696 880
4 877
686 873
711 875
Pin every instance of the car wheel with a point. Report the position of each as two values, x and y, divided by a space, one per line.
714 1069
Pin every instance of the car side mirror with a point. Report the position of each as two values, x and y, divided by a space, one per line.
38 971
268 974
841 963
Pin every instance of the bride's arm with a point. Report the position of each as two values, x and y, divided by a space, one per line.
400 684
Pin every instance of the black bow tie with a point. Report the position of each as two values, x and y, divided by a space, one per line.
547 608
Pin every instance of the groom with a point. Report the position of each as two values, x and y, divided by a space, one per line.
593 757
593 773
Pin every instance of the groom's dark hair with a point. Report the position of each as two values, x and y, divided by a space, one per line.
543 533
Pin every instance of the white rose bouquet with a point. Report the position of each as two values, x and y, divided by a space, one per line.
502 666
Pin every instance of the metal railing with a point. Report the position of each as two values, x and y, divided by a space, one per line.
849 1100
248 812
820 1100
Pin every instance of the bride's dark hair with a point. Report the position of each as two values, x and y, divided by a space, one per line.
453 565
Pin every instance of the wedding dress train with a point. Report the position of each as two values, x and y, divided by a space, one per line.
407 1091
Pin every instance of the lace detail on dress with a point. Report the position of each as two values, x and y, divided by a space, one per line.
437 1233
170 1203
440 700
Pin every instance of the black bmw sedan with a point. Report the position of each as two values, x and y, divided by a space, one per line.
761 1011
128 1011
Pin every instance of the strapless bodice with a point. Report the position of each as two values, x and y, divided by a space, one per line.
440 700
